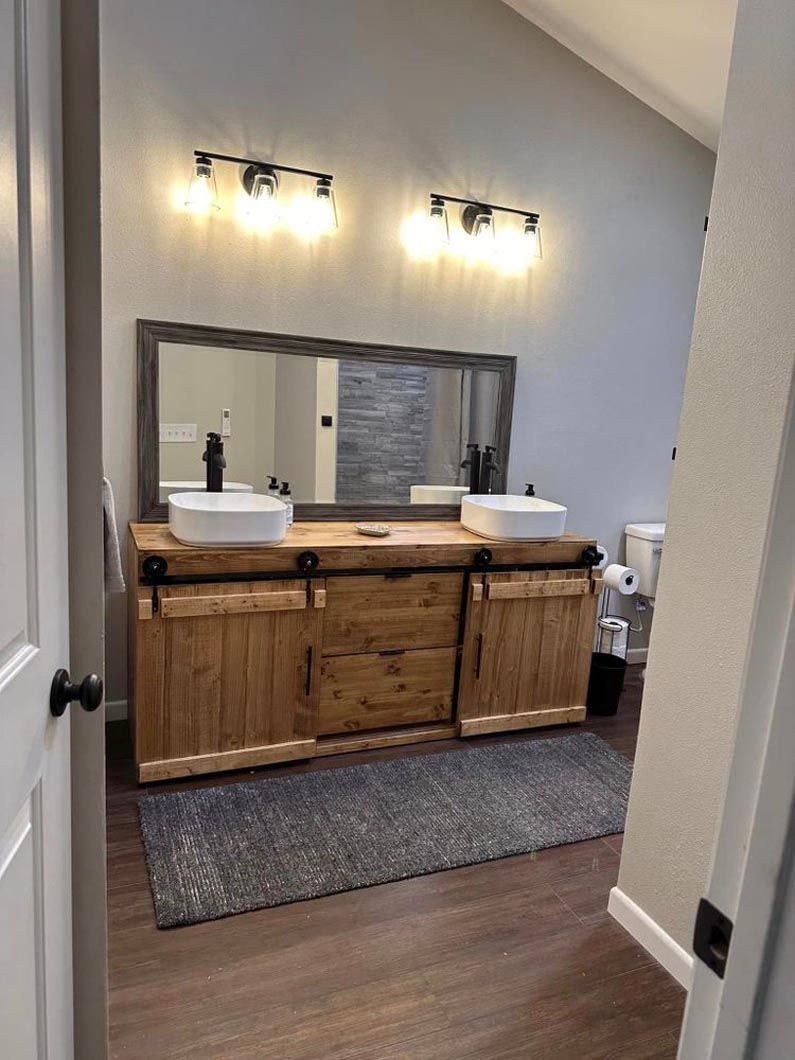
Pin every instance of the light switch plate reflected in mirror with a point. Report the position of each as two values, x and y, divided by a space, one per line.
177 432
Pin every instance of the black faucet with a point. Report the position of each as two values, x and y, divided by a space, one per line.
473 463
487 468
215 460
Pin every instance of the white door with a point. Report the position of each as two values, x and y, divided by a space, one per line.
35 869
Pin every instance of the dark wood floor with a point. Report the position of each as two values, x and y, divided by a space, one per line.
512 959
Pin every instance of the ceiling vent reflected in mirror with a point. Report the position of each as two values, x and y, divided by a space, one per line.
262 204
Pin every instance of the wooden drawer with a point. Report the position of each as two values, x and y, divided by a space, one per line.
377 691
386 612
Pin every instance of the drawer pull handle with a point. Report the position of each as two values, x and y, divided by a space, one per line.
308 683
478 655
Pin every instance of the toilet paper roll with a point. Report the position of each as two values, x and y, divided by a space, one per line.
623 580
605 558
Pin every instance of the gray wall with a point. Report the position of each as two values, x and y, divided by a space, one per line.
734 417
398 100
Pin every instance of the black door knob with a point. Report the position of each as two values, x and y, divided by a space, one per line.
63 692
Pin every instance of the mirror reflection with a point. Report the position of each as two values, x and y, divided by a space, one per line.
338 431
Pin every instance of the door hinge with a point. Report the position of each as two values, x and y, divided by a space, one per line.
712 937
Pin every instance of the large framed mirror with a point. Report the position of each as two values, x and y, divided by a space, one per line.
359 431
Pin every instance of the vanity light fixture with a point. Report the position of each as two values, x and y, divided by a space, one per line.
261 183
479 223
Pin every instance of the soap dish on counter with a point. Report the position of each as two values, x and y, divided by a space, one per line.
374 529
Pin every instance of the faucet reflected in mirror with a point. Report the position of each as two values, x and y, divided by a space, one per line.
216 462
481 466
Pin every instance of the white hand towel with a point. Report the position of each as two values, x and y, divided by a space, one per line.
114 577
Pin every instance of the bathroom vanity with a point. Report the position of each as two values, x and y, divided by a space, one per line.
331 642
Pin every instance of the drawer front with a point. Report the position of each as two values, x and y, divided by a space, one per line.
382 613
377 691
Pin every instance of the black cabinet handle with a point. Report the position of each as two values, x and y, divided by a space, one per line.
308 684
478 655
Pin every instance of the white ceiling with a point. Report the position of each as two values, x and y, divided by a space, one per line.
672 54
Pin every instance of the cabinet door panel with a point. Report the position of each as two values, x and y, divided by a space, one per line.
527 649
216 679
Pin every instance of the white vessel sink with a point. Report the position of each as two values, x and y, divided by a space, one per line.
226 519
438 494
188 486
513 518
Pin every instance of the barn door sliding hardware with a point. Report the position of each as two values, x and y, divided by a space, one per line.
154 570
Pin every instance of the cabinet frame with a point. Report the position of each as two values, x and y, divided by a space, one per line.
233 596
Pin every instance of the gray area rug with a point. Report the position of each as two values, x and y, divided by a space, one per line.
212 852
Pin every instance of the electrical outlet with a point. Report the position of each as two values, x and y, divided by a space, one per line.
226 423
177 432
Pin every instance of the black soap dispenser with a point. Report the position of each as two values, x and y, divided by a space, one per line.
530 491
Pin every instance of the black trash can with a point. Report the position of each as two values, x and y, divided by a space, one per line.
606 683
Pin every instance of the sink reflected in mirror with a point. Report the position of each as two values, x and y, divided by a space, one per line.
437 494
506 517
226 519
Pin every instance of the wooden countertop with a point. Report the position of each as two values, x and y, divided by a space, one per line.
341 547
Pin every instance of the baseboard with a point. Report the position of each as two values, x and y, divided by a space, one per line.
115 710
635 656
651 936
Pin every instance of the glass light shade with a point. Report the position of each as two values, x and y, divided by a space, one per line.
261 205
325 208
532 237
203 192
483 227
438 227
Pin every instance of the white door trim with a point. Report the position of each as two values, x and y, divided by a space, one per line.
752 849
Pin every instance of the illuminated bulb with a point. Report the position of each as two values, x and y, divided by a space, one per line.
438 228
325 207
202 193
483 227
532 236
512 252
261 207
480 245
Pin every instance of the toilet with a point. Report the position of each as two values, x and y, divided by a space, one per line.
644 550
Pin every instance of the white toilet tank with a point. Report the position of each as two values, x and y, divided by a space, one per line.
644 549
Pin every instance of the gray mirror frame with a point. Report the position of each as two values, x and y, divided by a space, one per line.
152 332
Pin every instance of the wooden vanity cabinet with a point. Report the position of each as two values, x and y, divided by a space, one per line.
225 675
527 649
389 641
